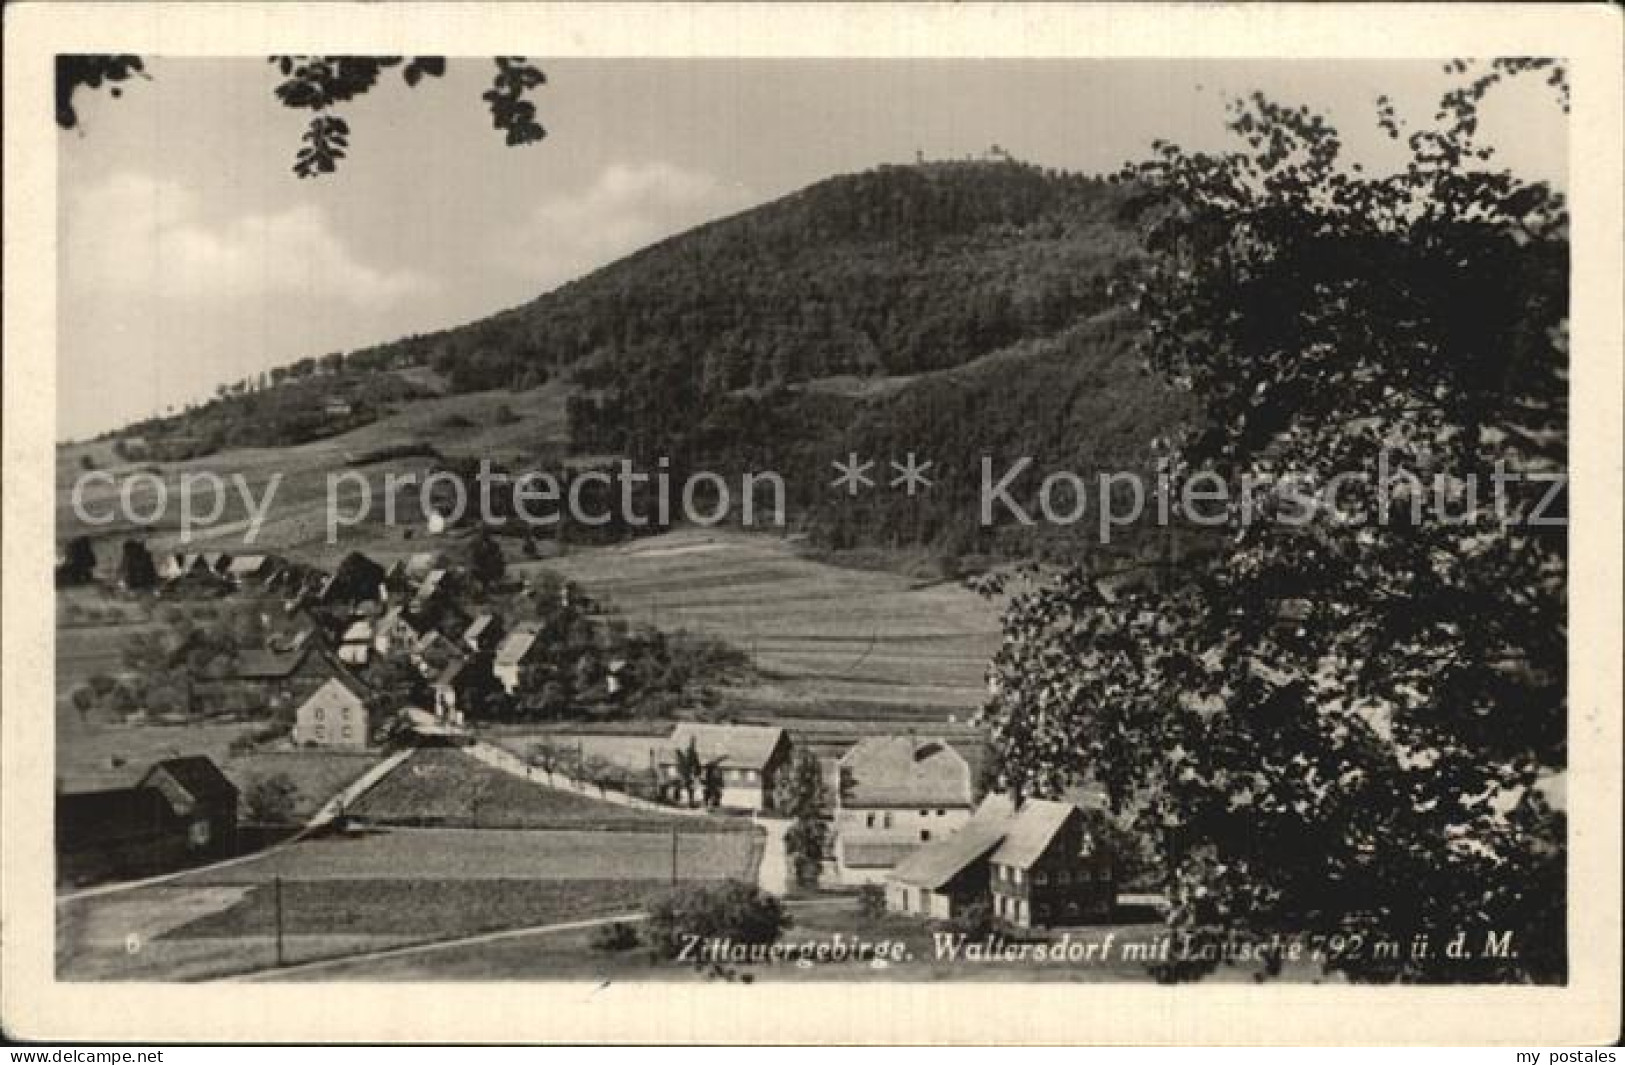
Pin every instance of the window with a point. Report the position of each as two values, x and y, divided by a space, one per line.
925 813
869 821
321 733
347 733
320 714
1063 878
1015 874
942 813
925 835
1040 879
886 819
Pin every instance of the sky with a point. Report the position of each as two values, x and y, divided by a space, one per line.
190 255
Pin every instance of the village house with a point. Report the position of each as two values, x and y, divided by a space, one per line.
243 569
1034 867
269 678
356 643
181 810
335 716
457 686
483 633
893 794
1049 870
516 659
433 652
396 630
747 756
357 579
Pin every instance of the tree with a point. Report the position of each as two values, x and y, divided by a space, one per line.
270 799
731 910
690 770
319 83
78 562
136 570
485 561
799 794
1340 724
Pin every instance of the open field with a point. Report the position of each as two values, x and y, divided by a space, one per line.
348 894
826 641
447 787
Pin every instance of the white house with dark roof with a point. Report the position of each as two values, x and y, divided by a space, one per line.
515 657
747 756
335 716
892 794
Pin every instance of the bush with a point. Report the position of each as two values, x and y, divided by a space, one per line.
614 937
975 921
871 903
727 909
269 800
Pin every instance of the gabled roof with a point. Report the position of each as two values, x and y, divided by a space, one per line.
1032 831
875 854
479 625
732 746
336 694
89 819
198 776
452 673
256 664
358 631
515 646
246 565
938 862
901 771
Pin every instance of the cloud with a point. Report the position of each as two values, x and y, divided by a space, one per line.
627 206
135 235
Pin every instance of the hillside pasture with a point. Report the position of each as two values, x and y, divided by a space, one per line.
886 646
447 787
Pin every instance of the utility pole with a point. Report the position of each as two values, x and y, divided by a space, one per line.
276 896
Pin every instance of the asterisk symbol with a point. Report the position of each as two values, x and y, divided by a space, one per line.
854 474
911 473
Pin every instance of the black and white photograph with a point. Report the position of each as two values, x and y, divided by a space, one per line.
763 524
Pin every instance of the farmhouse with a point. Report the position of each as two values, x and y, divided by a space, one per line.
895 793
357 579
483 633
747 756
457 685
260 568
1049 871
516 658
943 877
395 630
1036 867
269 677
356 643
181 809
432 653
335 716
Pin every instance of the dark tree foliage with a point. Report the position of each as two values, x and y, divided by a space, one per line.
136 569
78 563
721 910
1339 725
485 562
318 83
799 795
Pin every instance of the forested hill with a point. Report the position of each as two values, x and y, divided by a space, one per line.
897 270
955 309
